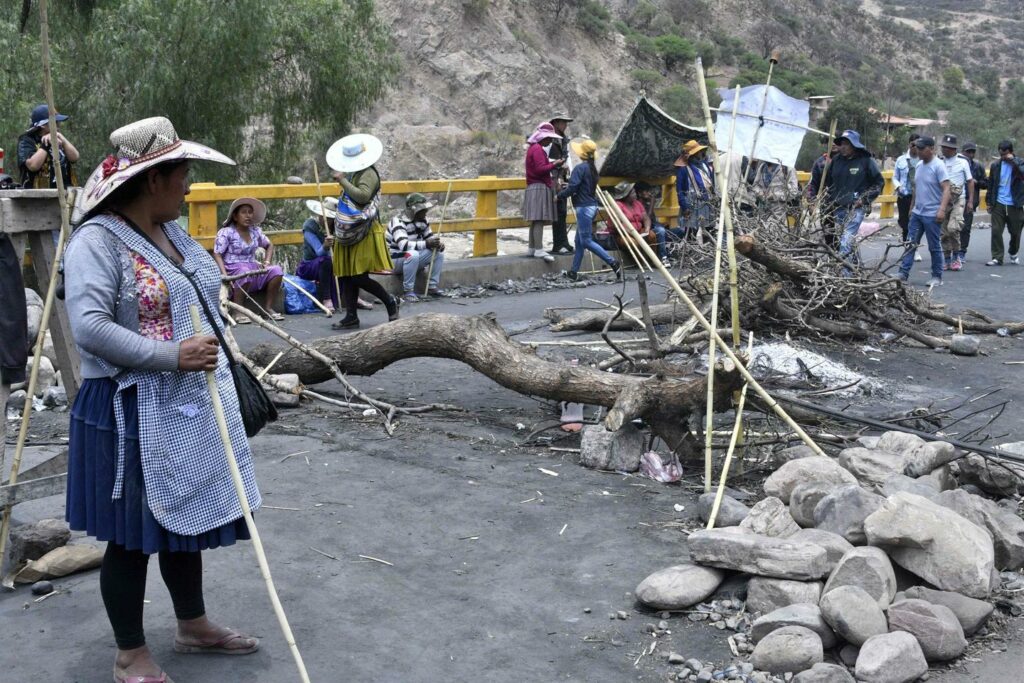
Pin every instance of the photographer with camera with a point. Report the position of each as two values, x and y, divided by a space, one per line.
35 152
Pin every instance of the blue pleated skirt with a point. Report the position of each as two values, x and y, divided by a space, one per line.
92 468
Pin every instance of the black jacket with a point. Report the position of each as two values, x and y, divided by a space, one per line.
980 181
847 180
1016 183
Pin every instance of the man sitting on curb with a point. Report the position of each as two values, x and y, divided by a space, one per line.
413 246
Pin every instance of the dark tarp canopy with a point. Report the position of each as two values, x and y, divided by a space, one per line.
648 143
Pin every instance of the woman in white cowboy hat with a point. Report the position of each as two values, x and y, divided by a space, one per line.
360 245
146 465
236 252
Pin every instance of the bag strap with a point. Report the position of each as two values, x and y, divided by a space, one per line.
190 277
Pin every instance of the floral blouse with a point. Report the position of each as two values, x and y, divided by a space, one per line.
233 249
154 301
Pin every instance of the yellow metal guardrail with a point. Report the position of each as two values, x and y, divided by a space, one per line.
204 199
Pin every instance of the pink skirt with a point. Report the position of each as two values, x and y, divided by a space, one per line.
253 283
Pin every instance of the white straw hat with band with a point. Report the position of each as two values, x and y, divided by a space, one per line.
354 153
330 205
137 147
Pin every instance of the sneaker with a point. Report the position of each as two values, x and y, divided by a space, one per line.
540 253
963 257
1014 259
393 305
917 257
994 262
934 282
572 276
666 261
410 297
956 265
562 250
436 291
617 269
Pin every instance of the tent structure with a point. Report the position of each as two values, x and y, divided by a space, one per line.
648 142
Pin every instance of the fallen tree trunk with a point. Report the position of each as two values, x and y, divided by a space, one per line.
632 318
664 402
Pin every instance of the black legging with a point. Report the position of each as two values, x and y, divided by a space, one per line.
123 586
350 286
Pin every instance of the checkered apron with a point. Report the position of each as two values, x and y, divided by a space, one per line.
184 465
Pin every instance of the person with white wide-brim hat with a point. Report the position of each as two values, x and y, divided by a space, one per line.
360 246
236 251
146 463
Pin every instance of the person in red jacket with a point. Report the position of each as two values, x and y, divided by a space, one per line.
539 200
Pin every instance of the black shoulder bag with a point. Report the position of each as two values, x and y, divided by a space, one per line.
253 403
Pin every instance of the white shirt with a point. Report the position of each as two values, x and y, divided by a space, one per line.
958 169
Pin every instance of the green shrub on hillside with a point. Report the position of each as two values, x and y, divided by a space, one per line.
593 17
645 78
674 50
680 102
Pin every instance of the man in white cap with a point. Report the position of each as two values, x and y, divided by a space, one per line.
414 246
961 192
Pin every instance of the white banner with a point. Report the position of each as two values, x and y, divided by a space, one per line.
777 142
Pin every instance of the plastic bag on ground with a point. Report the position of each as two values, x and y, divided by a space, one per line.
295 302
652 467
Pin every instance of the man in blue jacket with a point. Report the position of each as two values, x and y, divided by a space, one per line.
852 181
1006 202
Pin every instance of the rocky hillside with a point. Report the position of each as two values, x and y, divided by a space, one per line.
477 75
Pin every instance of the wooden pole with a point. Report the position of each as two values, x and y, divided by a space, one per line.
51 290
433 255
624 229
243 500
323 218
736 434
709 416
764 103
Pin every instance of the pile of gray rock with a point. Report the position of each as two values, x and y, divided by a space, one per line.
50 392
827 552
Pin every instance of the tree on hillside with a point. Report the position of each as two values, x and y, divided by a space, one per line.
242 76
850 111
674 50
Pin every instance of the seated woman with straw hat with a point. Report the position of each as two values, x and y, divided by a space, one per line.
360 246
582 189
147 468
237 252
317 264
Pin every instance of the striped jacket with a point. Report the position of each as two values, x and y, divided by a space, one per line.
407 235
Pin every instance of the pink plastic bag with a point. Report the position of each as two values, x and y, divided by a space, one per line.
868 228
652 467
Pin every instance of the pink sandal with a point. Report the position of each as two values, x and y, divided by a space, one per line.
218 648
162 678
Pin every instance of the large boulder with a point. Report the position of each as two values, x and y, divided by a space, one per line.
805 497
770 517
1005 527
795 472
47 376
1003 478
793 453
935 627
925 486
766 595
869 569
730 511
871 467
789 649
853 614
679 586
891 658
758 555
835 545
34 309
929 457
805 615
824 673
941 478
971 613
617 451
900 443
934 543
844 510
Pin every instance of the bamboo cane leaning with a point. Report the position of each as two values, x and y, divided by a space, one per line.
323 218
243 501
51 289
733 440
723 189
433 252
621 226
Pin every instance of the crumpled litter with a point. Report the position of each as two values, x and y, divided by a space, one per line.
652 467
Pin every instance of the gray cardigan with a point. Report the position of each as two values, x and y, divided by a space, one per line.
102 303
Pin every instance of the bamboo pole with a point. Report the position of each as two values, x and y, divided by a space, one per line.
809 129
433 255
736 434
764 103
243 500
622 227
709 416
51 290
329 232
729 353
